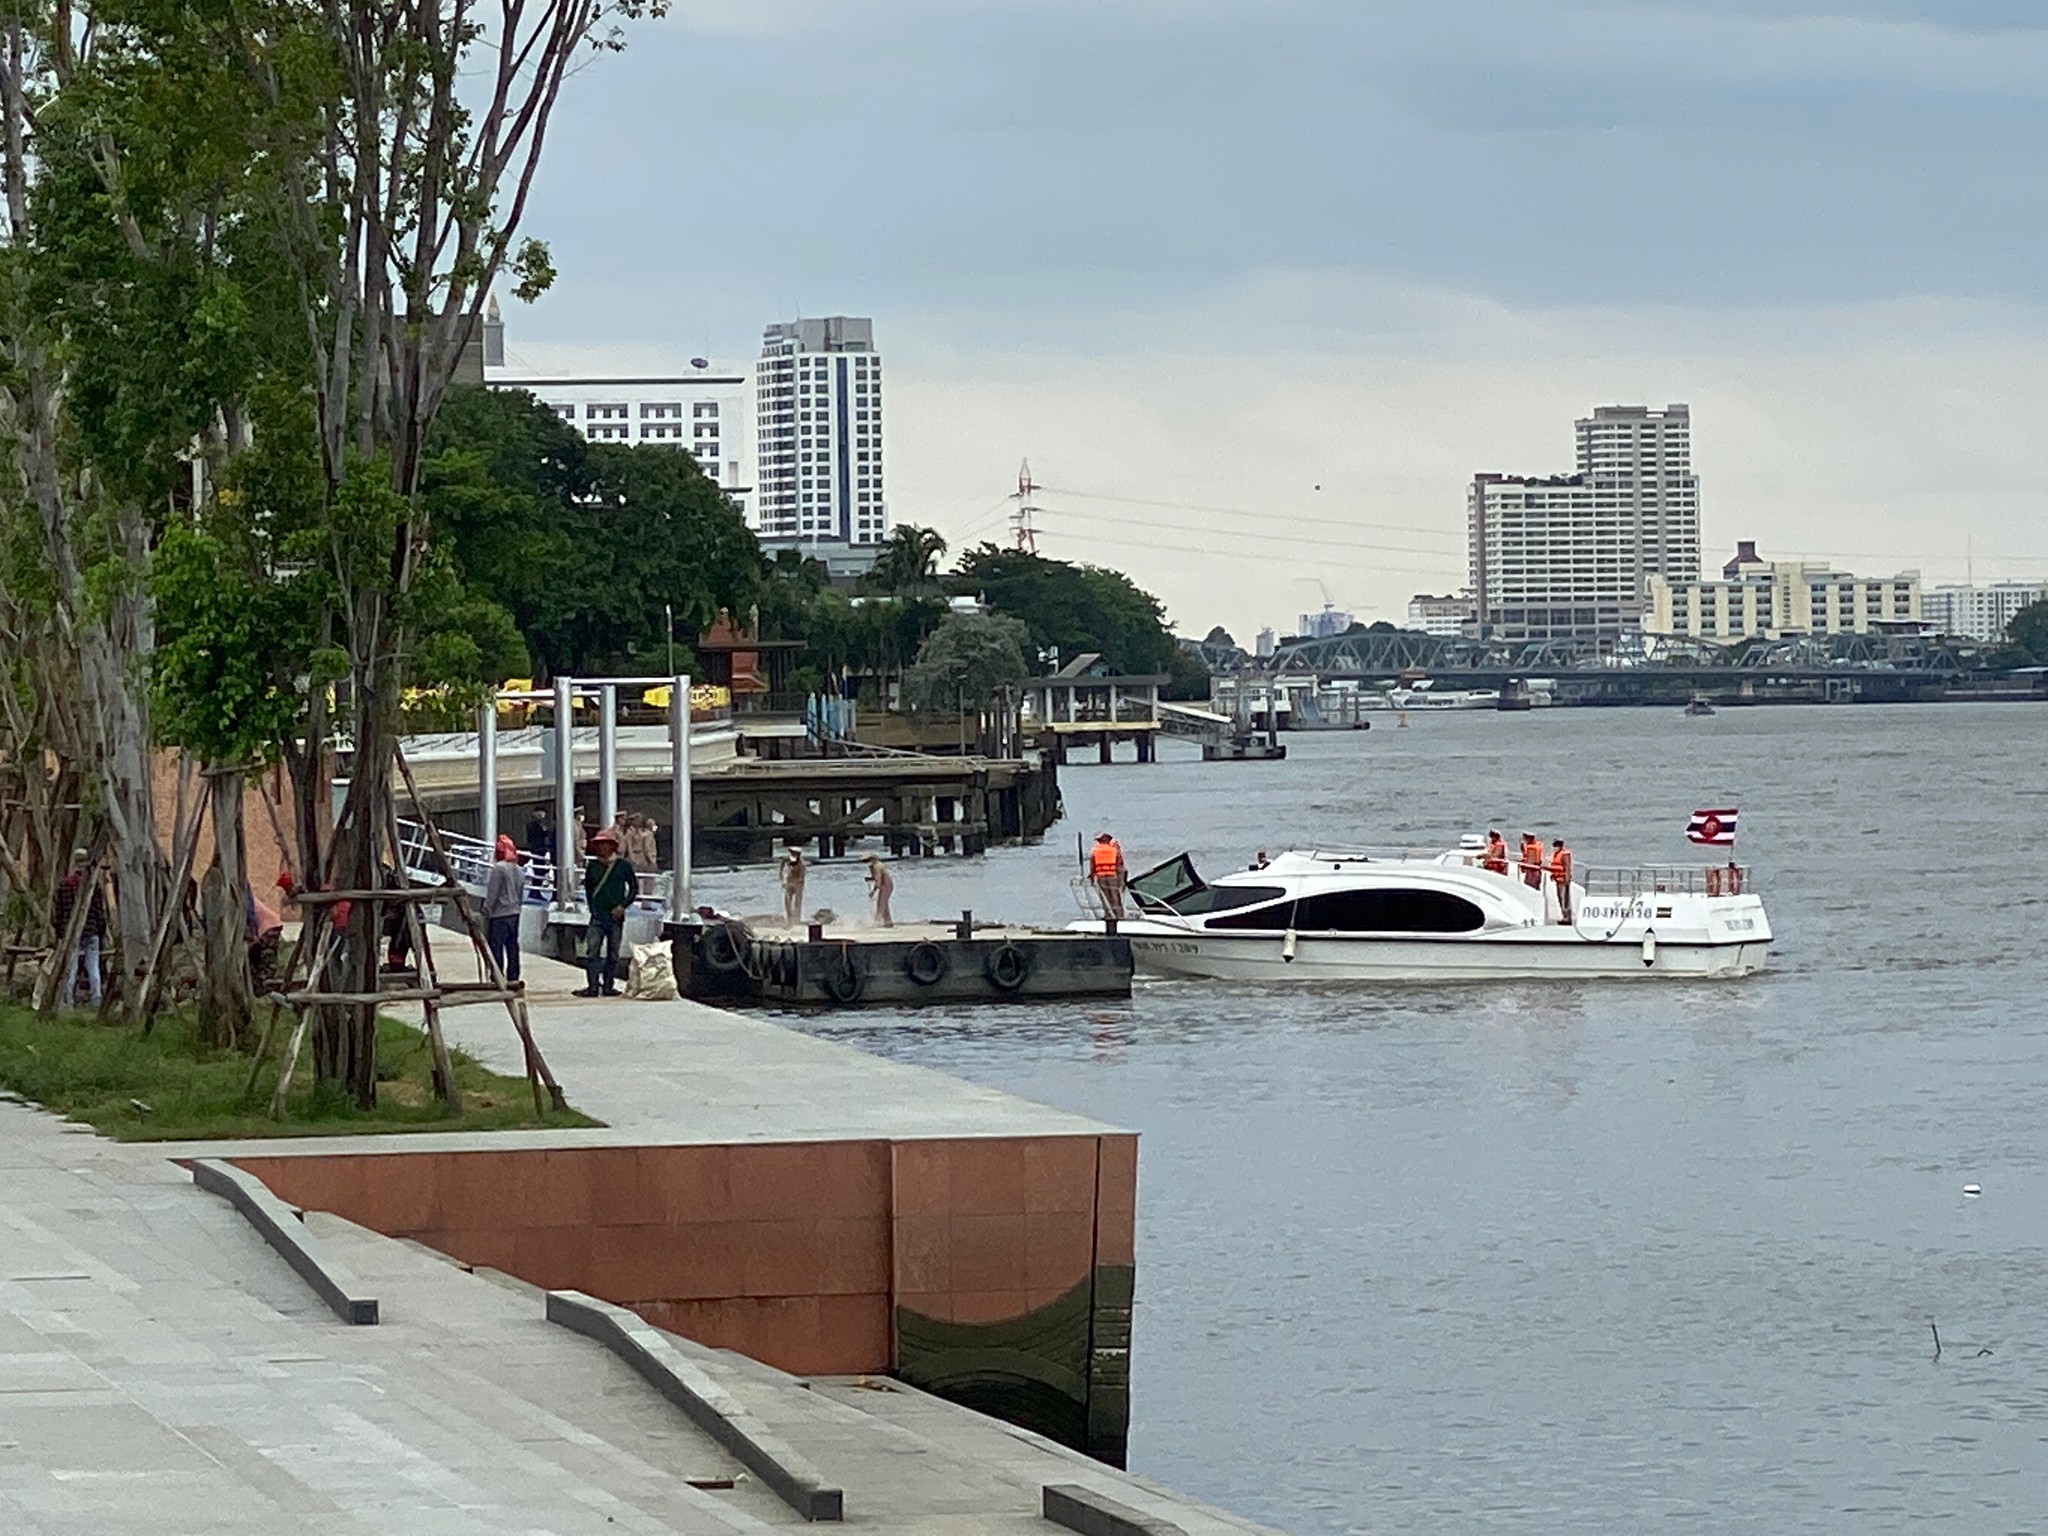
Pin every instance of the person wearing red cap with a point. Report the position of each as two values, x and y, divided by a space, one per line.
609 886
504 897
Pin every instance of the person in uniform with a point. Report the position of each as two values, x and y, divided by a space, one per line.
1496 859
1561 878
1106 869
1531 862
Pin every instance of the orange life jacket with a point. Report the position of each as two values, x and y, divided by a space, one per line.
1532 854
1496 857
1561 864
1103 859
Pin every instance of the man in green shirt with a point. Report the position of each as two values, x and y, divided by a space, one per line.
609 887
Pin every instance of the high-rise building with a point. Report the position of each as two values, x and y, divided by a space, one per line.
818 404
1979 612
1569 557
1322 626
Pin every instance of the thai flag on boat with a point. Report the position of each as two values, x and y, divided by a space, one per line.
1712 827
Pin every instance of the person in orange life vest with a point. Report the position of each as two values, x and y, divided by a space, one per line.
1561 877
1106 869
1496 859
1531 862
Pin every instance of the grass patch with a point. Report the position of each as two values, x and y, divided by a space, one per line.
95 1073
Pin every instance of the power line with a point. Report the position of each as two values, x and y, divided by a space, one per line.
1289 562
1262 535
1293 517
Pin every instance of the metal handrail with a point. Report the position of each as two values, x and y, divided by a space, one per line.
1730 879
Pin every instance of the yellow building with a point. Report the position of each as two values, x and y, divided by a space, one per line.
1756 598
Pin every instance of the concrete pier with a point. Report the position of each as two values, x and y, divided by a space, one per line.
906 966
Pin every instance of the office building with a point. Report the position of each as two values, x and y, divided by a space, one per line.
1445 616
702 412
1321 626
1769 599
818 413
1569 557
1978 612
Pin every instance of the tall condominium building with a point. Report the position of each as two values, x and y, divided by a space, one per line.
1979 612
1757 598
818 403
1569 557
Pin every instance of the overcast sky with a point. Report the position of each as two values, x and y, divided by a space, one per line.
1283 274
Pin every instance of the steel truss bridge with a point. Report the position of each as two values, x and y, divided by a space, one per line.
1379 654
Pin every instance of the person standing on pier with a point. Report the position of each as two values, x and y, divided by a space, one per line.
792 885
609 886
882 885
540 837
504 897
1106 869
1561 878
1531 862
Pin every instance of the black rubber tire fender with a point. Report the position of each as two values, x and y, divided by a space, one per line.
925 963
723 950
845 984
1007 966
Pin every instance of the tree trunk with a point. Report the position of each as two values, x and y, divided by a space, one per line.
227 1004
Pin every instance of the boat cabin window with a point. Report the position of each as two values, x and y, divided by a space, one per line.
1222 898
1175 886
1381 911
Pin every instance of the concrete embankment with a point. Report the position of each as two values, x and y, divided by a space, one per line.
811 1206
167 1369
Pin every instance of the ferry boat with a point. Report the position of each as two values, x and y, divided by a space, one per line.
1421 696
1359 915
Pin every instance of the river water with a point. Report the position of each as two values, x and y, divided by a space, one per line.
1557 1257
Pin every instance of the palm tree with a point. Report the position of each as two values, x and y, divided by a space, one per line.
909 561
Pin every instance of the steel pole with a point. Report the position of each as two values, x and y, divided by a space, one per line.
680 905
487 770
566 885
608 755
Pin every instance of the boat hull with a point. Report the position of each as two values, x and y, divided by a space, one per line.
1522 955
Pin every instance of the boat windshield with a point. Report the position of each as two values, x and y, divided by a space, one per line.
1176 886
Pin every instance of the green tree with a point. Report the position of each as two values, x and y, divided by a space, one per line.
966 660
2028 631
908 561
587 547
1077 608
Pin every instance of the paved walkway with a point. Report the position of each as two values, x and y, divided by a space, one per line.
163 1372
683 1072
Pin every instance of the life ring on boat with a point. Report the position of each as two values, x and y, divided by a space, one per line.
1007 966
846 984
925 964
722 949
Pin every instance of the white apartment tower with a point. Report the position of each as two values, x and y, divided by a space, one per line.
1569 557
818 434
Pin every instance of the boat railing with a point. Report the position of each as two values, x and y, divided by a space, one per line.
1730 879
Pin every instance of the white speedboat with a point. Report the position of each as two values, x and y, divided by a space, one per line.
1421 696
1345 915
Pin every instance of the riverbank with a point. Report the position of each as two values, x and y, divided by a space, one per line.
166 1371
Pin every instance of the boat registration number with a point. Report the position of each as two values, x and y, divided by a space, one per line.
1742 925
1165 947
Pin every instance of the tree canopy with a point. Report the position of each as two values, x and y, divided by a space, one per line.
587 546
